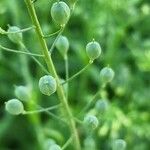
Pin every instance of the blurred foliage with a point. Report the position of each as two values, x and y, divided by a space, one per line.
122 27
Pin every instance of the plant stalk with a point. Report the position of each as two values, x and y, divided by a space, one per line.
52 70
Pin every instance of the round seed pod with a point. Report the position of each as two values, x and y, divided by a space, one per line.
60 12
93 50
22 93
47 85
55 147
62 45
101 105
119 144
106 74
14 107
91 121
14 37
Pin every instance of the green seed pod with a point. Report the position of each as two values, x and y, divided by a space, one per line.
47 85
62 45
14 107
14 37
89 144
119 144
22 93
93 50
106 74
91 121
60 12
101 105
55 147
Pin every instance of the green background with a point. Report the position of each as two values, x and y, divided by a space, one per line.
122 27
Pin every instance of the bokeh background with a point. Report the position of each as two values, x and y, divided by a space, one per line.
122 27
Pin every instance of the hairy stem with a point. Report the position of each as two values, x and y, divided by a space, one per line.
52 70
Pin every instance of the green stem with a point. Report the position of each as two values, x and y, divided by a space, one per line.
93 99
53 45
52 70
78 73
52 34
20 52
42 67
40 110
67 73
21 30
67 143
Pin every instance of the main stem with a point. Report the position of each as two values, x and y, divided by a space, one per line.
52 70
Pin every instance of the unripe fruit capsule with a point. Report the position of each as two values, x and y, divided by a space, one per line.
47 85
62 45
14 107
101 105
119 144
22 93
106 74
14 37
60 12
91 121
93 50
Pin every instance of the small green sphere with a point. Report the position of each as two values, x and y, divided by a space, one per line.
55 147
22 93
91 121
119 144
101 105
60 12
14 37
93 50
62 45
106 74
47 85
14 107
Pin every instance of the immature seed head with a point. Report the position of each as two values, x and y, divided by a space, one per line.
55 147
14 37
106 74
93 50
101 105
22 93
47 85
119 144
62 45
60 12
14 107
91 121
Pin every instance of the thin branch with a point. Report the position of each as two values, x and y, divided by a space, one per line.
52 34
20 31
53 45
67 143
20 52
41 110
78 73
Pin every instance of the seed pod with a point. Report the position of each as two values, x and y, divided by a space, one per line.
91 121
14 37
55 147
62 45
60 12
101 105
106 74
119 144
89 143
93 50
47 85
22 93
14 107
